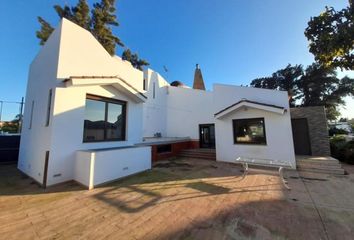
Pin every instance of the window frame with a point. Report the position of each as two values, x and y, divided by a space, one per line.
31 115
106 101
49 107
234 123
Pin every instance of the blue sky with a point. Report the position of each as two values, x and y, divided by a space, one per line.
234 41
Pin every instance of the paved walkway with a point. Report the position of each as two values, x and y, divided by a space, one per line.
183 199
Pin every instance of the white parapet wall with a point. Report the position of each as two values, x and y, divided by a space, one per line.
95 167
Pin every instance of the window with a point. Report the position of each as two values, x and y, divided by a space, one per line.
249 131
105 119
48 107
153 90
31 115
144 84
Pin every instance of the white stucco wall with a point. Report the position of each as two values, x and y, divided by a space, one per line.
186 109
97 167
70 51
68 125
155 107
82 55
41 77
175 112
278 127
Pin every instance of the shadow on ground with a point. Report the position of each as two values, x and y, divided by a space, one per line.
13 182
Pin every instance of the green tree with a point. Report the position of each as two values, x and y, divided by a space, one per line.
314 86
12 126
284 79
134 59
81 14
98 23
45 31
331 37
103 17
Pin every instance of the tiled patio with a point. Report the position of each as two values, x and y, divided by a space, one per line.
183 199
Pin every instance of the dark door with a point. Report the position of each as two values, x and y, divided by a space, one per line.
207 135
301 136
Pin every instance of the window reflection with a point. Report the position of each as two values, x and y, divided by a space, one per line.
104 119
249 131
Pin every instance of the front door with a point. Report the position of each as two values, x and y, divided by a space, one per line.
301 137
207 135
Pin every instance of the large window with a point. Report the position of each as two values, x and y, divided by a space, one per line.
105 119
249 131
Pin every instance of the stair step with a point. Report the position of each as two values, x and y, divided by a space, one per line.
329 162
336 172
319 166
202 154
197 156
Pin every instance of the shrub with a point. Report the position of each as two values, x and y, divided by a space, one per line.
342 150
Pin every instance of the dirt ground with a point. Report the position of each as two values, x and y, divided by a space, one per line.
182 199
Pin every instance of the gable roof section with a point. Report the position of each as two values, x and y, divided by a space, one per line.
115 81
251 104
80 54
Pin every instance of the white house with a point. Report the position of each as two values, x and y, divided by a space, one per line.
93 118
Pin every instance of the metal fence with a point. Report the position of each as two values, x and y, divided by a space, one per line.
11 114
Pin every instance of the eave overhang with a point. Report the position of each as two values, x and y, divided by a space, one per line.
244 104
114 81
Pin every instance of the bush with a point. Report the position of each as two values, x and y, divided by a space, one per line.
342 150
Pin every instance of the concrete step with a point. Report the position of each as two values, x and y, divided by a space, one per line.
319 162
320 165
327 165
338 171
199 153
203 150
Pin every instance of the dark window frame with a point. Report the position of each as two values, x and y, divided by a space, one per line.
124 115
234 123
49 107
31 115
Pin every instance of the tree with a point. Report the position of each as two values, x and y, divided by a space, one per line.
99 23
134 59
45 31
314 86
331 37
12 126
284 79
102 18
320 86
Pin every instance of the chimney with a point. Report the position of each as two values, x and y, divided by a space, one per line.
198 79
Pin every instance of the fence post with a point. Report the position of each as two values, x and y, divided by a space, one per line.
21 116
